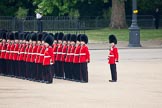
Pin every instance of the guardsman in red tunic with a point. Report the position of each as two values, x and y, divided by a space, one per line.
25 55
41 57
15 55
11 56
3 51
54 46
29 53
7 54
84 58
19 48
76 62
38 65
113 57
59 73
64 52
21 55
67 59
33 56
48 61
73 42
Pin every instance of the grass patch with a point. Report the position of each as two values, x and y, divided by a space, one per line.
123 34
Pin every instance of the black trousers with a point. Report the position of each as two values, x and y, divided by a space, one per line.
47 74
113 72
60 69
76 72
66 70
84 72
28 70
53 69
33 71
3 65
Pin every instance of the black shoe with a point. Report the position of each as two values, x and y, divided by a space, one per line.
112 81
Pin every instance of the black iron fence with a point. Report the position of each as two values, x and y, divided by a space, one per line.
51 23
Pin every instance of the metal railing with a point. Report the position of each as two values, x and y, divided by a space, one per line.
51 23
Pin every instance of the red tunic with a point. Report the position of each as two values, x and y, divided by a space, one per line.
20 45
38 54
76 54
29 53
11 51
84 54
34 53
113 55
67 59
22 52
41 54
26 52
7 51
59 53
16 51
64 52
48 55
54 51
72 53
3 51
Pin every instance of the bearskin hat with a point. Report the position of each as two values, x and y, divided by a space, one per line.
25 35
16 35
4 36
112 39
21 36
28 37
84 38
60 36
55 36
64 38
49 39
34 36
39 36
68 37
78 37
11 35
45 34
73 37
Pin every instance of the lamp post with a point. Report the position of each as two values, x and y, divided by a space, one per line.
134 30
39 22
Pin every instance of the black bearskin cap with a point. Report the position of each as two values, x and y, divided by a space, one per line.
78 37
16 35
21 36
73 37
84 38
11 36
55 36
68 36
34 37
25 35
60 36
4 35
49 39
112 39
64 38
28 37
45 34
39 36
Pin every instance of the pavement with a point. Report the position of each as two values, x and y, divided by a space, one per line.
138 86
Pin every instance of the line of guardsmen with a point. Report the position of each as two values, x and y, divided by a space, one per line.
42 56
